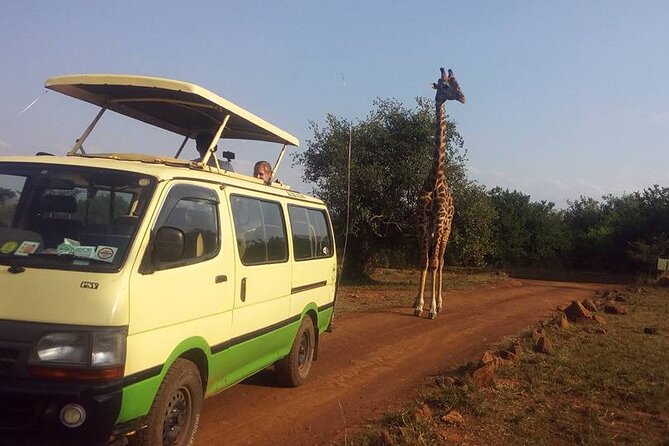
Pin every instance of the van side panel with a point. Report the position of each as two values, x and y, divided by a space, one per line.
241 359
236 360
141 387
137 398
313 282
325 316
314 266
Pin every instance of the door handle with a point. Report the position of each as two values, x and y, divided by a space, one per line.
243 290
222 278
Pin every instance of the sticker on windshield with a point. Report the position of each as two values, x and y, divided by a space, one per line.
9 247
143 182
105 253
26 248
85 252
65 249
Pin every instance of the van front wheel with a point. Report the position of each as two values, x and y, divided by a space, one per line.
293 370
175 414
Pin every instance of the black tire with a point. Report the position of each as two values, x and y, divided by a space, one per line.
293 370
175 413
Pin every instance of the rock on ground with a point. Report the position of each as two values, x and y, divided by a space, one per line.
543 345
576 312
454 417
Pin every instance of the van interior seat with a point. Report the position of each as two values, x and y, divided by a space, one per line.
54 228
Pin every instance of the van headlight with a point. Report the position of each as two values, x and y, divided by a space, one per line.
63 348
98 354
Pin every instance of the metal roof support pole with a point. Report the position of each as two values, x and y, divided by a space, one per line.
213 144
82 138
183 144
279 159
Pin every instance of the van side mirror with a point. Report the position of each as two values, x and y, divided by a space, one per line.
168 245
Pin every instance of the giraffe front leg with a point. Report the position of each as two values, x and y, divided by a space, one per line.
420 298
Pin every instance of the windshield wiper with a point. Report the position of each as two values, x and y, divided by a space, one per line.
15 268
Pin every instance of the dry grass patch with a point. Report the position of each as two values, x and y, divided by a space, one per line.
394 288
593 389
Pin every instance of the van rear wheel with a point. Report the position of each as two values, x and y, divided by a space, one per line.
293 370
175 414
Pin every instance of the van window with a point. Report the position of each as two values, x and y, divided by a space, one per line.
68 217
198 220
311 234
260 229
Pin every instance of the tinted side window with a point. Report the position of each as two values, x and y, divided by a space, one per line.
197 219
311 234
260 229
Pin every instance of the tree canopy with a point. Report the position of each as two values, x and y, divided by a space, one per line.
392 150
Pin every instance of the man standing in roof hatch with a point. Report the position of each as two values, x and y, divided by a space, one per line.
202 142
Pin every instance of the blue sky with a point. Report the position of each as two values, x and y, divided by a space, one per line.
563 98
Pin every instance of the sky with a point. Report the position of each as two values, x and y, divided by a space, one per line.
564 99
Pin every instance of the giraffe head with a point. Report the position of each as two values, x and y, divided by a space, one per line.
447 88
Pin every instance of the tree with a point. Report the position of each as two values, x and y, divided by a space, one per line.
528 233
622 234
472 235
7 206
6 194
391 154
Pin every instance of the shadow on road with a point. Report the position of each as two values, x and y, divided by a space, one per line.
264 378
570 276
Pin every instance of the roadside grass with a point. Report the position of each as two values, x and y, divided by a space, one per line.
592 389
392 288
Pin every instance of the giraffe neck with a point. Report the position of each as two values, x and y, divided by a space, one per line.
439 158
440 149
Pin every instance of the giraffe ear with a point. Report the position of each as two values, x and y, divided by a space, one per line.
434 85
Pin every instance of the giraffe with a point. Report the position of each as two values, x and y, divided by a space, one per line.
435 202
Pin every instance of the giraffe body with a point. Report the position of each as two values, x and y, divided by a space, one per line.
435 204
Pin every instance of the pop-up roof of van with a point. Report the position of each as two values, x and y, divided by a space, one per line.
180 107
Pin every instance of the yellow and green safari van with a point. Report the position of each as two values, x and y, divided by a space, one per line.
133 286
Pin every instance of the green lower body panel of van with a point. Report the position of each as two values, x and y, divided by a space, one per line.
227 363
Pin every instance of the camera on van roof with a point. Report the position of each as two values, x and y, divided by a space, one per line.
228 155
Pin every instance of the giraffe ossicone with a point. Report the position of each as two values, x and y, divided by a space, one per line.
435 202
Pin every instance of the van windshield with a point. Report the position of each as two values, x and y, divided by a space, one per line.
68 217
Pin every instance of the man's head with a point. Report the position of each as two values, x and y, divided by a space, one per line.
202 142
263 170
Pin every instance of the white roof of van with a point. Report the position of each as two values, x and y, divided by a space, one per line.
180 107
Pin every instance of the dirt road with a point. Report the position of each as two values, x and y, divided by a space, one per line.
374 362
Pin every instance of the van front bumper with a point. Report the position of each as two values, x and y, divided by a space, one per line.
30 412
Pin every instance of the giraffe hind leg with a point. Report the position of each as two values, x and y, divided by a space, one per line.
442 251
433 305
